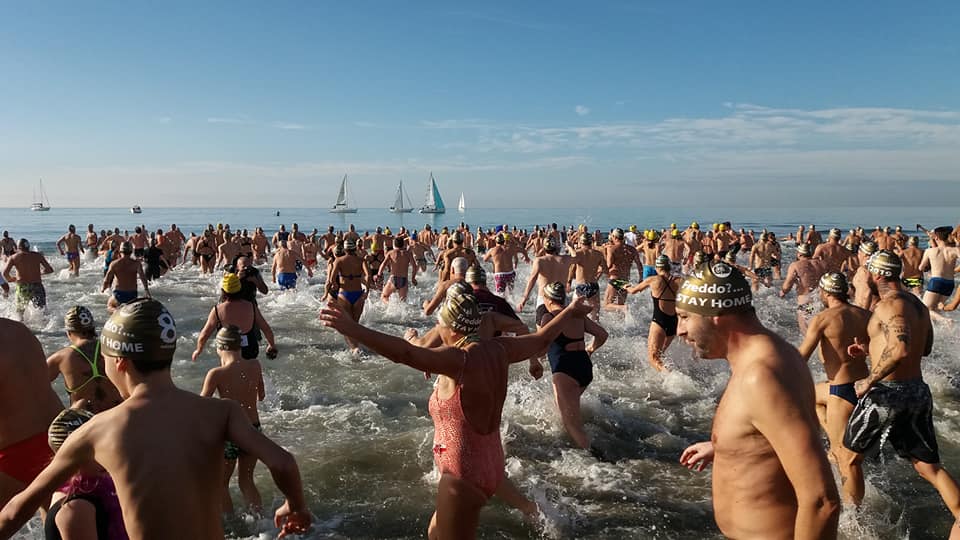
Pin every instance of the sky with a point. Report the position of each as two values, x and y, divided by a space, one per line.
515 104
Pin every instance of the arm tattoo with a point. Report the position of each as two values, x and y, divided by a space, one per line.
895 329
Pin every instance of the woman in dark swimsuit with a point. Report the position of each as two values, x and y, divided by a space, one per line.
245 315
570 361
346 281
663 326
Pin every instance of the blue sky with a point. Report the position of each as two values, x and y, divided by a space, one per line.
519 104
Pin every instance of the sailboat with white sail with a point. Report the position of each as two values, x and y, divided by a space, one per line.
342 206
399 206
433 203
43 203
461 206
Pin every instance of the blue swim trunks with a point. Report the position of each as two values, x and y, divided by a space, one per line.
287 280
942 286
124 297
649 271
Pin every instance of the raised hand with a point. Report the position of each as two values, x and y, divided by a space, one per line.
696 457
857 350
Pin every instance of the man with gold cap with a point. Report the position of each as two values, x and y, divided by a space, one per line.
864 294
831 252
833 330
771 478
895 404
163 446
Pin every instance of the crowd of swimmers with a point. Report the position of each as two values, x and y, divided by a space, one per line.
135 456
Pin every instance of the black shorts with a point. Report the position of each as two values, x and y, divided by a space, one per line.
897 411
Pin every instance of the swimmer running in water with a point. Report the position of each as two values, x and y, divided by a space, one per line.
663 326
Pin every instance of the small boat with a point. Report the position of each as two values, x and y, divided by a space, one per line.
398 205
342 207
43 203
433 203
461 206
136 209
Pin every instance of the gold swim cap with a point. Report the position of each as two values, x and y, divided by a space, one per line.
461 313
64 424
868 248
719 289
885 263
675 233
555 291
803 249
662 262
673 225
476 274
699 258
694 225
835 233
350 244
141 330
586 239
230 283
458 237
228 338
78 319
617 233
633 228
551 246
834 283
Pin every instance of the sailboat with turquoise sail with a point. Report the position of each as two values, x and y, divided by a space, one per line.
433 203
399 207
342 207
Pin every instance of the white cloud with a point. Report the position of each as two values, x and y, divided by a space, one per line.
581 110
289 126
228 120
163 119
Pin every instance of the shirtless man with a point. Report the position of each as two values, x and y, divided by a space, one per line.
159 427
327 241
831 253
29 405
81 364
7 245
239 380
761 262
535 243
912 257
833 330
125 272
813 237
400 262
864 294
771 478
805 274
427 237
174 244
280 236
228 251
458 273
310 250
458 250
676 250
940 259
419 251
620 258
694 239
895 404
899 239
587 265
30 266
722 241
650 250
546 269
261 247
284 269
505 260
71 245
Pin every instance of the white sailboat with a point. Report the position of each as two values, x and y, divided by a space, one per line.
461 206
433 203
342 207
399 207
43 204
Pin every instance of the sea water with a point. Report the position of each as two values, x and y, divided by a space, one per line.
360 429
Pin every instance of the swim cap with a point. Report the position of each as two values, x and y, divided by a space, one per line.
722 227
885 263
350 244
803 248
633 228
461 313
458 237
695 225
586 239
834 283
126 247
868 248
675 233
673 226
650 235
476 274
230 283
555 291
662 262
141 330
699 258
387 231
913 241
850 247
730 257
78 319
551 246
835 233
501 239
458 287
228 338
719 289
617 233
64 424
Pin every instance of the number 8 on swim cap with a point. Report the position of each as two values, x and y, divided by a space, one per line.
142 330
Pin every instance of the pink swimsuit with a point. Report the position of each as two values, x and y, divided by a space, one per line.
462 452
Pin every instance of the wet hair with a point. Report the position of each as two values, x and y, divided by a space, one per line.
398 242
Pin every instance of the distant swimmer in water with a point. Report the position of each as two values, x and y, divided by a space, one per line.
348 282
162 446
400 262
663 326
284 269
71 245
833 330
29 266
467 403
239 380
620 258
588 265
771 477
570 360
122 277
505 258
